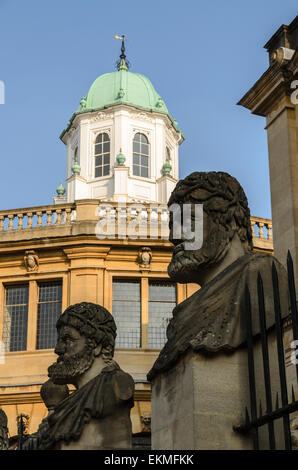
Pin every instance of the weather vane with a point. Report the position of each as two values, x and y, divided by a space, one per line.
122 64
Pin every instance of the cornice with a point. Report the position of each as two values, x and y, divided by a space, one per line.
98 252
107 112
269 90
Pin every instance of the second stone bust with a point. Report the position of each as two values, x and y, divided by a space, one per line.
97 414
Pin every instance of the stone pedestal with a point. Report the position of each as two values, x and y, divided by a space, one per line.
196 404
121 182
166 185
112 432
76 188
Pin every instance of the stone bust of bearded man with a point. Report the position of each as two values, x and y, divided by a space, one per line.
97 414
213 318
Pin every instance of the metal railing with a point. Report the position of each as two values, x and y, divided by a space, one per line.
255 420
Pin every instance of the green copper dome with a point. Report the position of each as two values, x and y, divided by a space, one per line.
123 87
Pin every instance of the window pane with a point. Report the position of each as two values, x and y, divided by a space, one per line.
106 170
106 147
144 161
17 294
98 149
16 318
136 170
136 159
106 159
49 309
162 301
145 149
98 171
98 161
144 172
50 291
143 138
106 137
162 290
136 147
99 138
126 290
127 313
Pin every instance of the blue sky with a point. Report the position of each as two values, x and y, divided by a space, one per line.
201 57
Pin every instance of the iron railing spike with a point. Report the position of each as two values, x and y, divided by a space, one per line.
280 354
261 412
246 416
276 403
251 367
293 394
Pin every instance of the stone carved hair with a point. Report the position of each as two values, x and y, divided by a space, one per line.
223 200
95 323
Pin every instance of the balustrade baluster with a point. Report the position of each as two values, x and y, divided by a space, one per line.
49 218
29 215
20 222
58 212
39 221
253 228
68 215
10 224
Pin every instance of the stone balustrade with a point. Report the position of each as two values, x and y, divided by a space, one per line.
88 216
35 217
262 233
261 228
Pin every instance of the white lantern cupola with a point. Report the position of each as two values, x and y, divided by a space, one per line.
122 143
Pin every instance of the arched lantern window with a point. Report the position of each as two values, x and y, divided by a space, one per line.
102 155
140 155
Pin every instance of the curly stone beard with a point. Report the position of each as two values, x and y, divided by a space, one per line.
186 264
67 369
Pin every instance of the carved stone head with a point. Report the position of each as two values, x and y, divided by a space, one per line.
85 331
225 215
146 422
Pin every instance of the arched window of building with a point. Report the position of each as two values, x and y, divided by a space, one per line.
102 155
140 155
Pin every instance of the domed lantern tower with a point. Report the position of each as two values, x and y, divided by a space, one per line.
122 143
